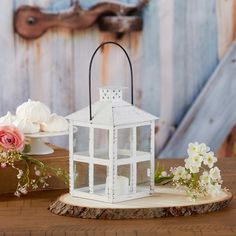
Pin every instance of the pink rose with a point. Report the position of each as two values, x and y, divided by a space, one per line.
11 138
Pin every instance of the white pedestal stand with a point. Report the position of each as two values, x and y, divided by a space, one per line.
38 146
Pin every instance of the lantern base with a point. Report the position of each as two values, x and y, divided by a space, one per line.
166 201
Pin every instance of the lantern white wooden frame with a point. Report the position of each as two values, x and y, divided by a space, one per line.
112 162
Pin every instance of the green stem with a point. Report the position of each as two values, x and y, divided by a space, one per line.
62 174
33 161
159 179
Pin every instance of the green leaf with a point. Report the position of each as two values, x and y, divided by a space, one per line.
27 148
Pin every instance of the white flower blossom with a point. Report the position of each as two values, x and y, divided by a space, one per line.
3 165
194 169
35 186
215 174
188 177
205 178
164 174
42 180
193 161
179 173
3 154
203 149
197 149
23 190
193 149
20 173
17 193
45 185
214 189
193 164
37 172
209 159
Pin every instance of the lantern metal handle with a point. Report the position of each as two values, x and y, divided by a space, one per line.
90 68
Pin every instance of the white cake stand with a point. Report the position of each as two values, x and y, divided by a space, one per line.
37 145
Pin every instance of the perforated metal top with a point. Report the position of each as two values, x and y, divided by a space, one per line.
110 94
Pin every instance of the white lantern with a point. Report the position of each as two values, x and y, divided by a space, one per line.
106 164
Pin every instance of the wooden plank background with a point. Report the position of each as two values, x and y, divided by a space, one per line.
173 57
211 109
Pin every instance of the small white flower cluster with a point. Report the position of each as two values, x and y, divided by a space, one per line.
33 175
3 159
198 153
20 173
199 176
21 190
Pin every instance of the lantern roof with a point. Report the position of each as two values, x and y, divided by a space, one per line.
112 110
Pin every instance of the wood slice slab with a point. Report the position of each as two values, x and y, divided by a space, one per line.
166 201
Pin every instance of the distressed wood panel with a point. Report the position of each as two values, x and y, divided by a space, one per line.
226 19
211 117
225 22
195 51
188 60
150 60
147 94
166 18
9 81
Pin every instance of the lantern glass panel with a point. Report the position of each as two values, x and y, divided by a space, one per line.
100 175
123 180
123 143
143 138
81 141
81 176
101 143
143 176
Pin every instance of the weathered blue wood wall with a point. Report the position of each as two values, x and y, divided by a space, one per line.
173 57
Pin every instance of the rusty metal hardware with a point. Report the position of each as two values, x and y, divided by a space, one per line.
32 22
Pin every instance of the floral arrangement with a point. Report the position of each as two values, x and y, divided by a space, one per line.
13 149
199 177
